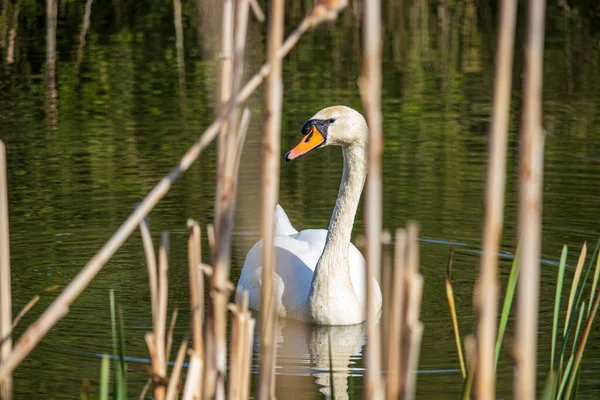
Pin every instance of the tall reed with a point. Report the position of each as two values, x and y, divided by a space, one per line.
271 154
530 204
487 302
5 278
370 90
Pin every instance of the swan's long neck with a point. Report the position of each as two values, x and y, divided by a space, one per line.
331 286
342 219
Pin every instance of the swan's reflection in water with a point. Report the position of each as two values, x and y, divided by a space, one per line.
328 353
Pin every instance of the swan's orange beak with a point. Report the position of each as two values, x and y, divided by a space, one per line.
311 141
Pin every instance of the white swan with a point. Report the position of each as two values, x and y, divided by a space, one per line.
320 275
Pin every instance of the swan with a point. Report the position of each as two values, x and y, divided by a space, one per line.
320 275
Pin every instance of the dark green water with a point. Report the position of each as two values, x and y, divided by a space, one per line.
124 117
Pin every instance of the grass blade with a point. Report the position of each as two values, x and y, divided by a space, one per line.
104 377
575 306
452 305
559 285
122 377
582 343
507 305
113 329
594 281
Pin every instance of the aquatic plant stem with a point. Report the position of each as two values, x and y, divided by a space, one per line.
216 349
487 299
509 296
172 389
151 264
395 339
582 343
452 306
530 205
370 91
559 285
5 278
60 307
269 195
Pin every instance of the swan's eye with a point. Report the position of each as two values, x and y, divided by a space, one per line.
331 120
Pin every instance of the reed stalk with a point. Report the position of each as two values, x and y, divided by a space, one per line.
239 344
269 195
216 350
51 94
471 353
452 306
196 287
60 307
12 34
161 317
370 91
170 333
84 29
487 301
395 353
179 46
414 327
5 278
530 204
173 387
151 264
24 311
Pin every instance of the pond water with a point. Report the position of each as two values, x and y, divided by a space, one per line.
125 115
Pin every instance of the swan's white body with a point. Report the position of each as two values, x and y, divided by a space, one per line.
320 275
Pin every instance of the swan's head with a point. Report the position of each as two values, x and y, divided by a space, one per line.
337 126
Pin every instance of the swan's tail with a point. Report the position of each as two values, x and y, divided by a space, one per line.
283 226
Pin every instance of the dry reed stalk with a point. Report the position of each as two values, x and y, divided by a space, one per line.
179 45
51 94
193 381
161 318
370 90
24 311
487 301
60 307
394 380
269 194
386 291
239 336
84 29
413 327
257 11
471 355
530 204
216 350
12 34
172 389
157 379
170 338
152 270
145 389
247 364
5 277
196 287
